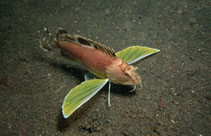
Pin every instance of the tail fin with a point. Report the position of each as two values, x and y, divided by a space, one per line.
47 41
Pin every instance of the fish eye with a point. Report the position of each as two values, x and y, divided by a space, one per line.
128 68
126 74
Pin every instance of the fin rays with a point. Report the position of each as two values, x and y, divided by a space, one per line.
47 41
96 45
135 53
81 94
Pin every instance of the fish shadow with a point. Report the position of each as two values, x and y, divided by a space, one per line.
124 90
75 71
68 69
62 123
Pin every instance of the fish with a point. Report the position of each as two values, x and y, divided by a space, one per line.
102 62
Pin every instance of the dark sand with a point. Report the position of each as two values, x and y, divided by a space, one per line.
176 96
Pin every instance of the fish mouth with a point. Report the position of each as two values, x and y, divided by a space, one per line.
137 80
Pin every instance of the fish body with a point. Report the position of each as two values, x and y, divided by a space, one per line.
99 60
93 60
95 57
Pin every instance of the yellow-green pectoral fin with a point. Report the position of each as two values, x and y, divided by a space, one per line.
135 53
81 94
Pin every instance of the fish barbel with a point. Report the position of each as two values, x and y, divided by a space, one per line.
98 59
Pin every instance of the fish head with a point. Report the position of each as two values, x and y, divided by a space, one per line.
129 74
122 73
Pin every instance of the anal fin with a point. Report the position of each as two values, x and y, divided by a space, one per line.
68 57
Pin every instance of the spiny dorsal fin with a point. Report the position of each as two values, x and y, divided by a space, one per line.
96 45
62 35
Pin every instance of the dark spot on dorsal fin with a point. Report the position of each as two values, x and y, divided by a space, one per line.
96 45
83 41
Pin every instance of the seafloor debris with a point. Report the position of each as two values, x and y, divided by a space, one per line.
4 80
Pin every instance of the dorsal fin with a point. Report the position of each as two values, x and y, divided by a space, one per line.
62 35
96 45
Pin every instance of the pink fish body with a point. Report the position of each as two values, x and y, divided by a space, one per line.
97 59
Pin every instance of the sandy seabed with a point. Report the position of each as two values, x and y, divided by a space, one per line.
175 99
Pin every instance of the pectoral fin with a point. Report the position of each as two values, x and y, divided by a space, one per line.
81 94
135 53
89 76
